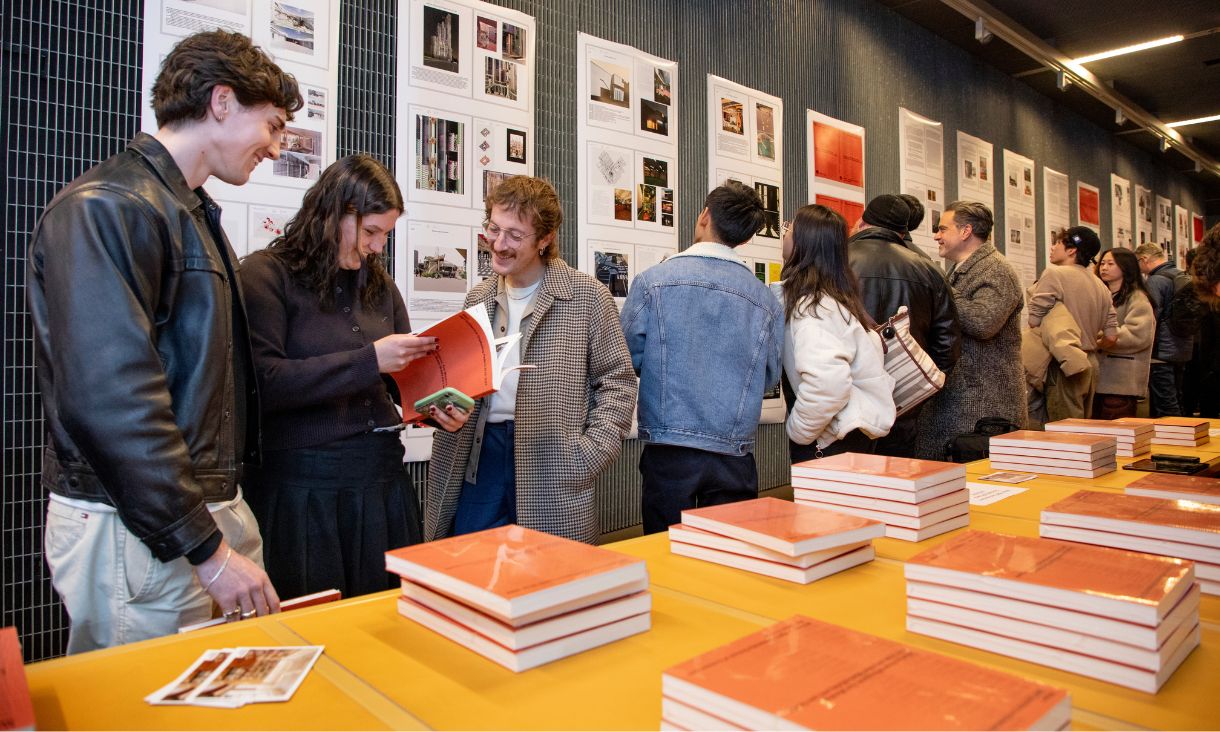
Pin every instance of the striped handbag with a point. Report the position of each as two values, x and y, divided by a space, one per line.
916 376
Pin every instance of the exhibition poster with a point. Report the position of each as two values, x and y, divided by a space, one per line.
921 158
744 132
1120 212
1164 224
1199 229
303 39
464 123
975 170
1183 230
1088 206
1057 204
1144 211
627 161
1019 235
835 155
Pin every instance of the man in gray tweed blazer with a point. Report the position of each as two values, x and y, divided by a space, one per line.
987 381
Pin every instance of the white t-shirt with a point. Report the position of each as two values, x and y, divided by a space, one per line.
502 405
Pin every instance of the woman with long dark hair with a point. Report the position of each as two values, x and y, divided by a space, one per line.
327 326
835 382
1122 377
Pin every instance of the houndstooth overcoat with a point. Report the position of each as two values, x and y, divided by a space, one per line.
573 410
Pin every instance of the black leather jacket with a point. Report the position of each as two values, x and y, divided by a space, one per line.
891 275
133 321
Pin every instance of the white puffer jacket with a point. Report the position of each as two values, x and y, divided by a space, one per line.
836 368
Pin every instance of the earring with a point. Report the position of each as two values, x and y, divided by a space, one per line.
541 252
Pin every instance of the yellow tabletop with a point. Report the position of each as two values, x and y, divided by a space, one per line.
106 689
872 598
616 686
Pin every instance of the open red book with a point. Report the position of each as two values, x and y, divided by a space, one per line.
468 358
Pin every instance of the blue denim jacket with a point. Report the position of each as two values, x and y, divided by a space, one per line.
706 338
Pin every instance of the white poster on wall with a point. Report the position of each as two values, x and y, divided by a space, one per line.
1183 234
1144 213
464 123
975 170
1088 206
744 132
745 143
1164 223
627 160
921 159
1019 237
835 164
1057 204
1120 212
303 39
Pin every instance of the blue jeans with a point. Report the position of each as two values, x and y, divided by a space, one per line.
1163 390
492 501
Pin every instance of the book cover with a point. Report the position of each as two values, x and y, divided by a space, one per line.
1178 487
1186 521
1114 427
511 570
699 537
805 674
782 526
1126 585
1064 441
923 508
16 707
881 470
905 495
779 570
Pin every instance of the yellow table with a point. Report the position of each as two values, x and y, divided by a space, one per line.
106 689
616 686
872 598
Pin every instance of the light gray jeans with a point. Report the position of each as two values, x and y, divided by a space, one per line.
113 588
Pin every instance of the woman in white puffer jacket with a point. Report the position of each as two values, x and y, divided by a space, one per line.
839 394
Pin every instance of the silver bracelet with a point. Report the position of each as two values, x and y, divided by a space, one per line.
220 571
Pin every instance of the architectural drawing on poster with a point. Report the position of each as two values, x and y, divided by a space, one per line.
1019 236
834 159
302 36
1164 224
975 170
627 162
1057 207
921 161
1120 212
1088 206
1145 211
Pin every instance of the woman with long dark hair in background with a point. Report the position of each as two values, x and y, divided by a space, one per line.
839 394
1122 376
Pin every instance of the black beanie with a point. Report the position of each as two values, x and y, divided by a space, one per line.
889 212
1084 240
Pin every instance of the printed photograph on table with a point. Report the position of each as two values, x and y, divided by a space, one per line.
610 268
661 86
646 209
292 28
500 78
654 117
764 131
440 39
516 146
439 269
439 163
488 30
732 116
300 154
512 40
609 83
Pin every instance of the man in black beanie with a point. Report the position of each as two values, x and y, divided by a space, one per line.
891 275
917 214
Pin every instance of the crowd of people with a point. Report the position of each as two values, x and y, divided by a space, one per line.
223 434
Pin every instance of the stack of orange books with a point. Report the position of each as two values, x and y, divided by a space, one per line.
805 674
1054 453
1134 437
1124 617
1182 529
16 707
1178 431
916 499
1177 487
522 598
776 538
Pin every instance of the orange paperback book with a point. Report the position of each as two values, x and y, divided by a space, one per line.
1114 427
1131 586
1186 521
1064 441
513 572
1177 487
465 359
16 707
805 674
880 470
783 526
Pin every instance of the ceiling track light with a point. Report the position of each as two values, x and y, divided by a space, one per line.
1061 80
981 33
1120 119
1164 144
1128 49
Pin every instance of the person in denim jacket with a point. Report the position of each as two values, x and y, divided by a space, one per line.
706 338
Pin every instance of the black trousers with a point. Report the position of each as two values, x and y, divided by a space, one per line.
854 441
677 478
